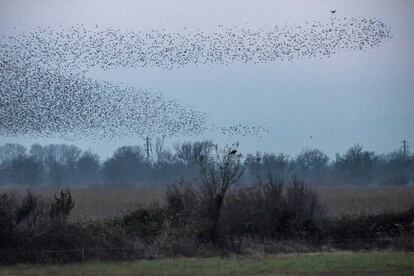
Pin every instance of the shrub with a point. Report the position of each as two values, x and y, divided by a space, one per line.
31 231
144 224
276 214
182 204
385 225
8 208
20 220
61 207
273 211
254 211
303 210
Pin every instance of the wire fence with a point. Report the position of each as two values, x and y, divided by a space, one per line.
258 248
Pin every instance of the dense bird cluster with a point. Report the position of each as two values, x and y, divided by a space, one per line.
45 89
36 102
80 48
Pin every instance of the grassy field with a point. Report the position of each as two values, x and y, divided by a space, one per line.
339 263
100 203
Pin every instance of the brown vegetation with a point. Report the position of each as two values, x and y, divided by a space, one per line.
282 217
352 200
101 203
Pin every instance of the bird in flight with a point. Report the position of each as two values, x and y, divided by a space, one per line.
233 152
333 11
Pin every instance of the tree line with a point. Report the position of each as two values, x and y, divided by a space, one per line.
61 165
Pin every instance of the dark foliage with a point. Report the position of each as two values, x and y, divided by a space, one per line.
61 207
145 224
182 205
33 231
281 217
273 211
372 227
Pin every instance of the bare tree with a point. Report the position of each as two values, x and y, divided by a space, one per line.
311 166
11 151
189 153
87 169
219 171
126 167
161 153
268 167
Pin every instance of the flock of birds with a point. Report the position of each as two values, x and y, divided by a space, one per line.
37 102
45 89
242 130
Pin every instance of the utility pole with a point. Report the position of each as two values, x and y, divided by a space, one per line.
147 148
405 148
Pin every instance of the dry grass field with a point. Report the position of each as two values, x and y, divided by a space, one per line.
103 203
338 201
100 203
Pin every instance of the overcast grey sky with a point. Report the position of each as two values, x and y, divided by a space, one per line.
356 97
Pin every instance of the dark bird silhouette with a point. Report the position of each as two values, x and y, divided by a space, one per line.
333 11
233 152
